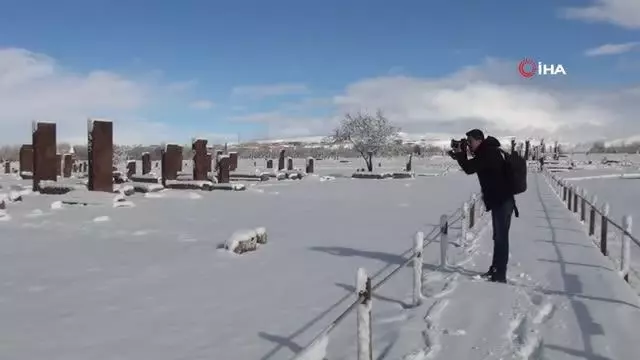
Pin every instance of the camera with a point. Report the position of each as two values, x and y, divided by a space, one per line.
459 144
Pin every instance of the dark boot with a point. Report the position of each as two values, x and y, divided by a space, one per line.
489 273
498 277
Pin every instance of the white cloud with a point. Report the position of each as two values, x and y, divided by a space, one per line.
35 87
624 13
612 49
491 96
182 86
262 91
202 104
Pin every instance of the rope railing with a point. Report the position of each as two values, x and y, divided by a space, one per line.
469 214
575 198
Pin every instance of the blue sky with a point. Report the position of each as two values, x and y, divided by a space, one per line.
303 52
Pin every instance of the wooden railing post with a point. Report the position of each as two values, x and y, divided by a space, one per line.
583 205
465 221
569 197
625 261
363 289
417 268
575 199
444 240
603 229
472 211
564 191
592 216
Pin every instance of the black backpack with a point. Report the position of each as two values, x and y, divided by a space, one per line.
516 171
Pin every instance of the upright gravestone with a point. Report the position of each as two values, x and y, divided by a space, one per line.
44 153
513 145
131 168
270 164
100 155
310 165
75 168
289 163
171 162
7 167
233 161
85 166
218 156
26 158
200 166
527 149
67 161
223 169
59 164
281 160
209 159
146 163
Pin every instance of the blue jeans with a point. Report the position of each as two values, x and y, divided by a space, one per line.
501 222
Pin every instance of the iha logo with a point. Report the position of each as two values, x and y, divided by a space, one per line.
528 68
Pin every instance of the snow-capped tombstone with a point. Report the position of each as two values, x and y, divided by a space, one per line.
270 164
59 164
310 165
290 163
44 152
146 163
171 162
67 161
26 158
233 161
131 168
200 166
100 155
223 169
209 158
281 160
7 167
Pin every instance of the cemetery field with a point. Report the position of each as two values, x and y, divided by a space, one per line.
148 281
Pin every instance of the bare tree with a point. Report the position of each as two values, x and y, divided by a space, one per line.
369 134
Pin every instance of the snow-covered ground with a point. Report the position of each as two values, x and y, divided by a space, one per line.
98 282
148 281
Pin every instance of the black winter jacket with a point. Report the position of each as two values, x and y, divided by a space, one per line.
490 165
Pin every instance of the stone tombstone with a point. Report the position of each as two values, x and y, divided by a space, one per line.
171 162
85 166
218 156
75 168
200 167
7 167
26 158
527 149
310 165
59 163
281 160
209 160
289 163
233 161
513 145
146 163
270 164
67 165
131 168
44 153
100 155
223 169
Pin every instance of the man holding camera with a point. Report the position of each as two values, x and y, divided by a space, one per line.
490 164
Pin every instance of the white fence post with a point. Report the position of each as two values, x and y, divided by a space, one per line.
626 247
363 289
465 221
444 240
417 268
